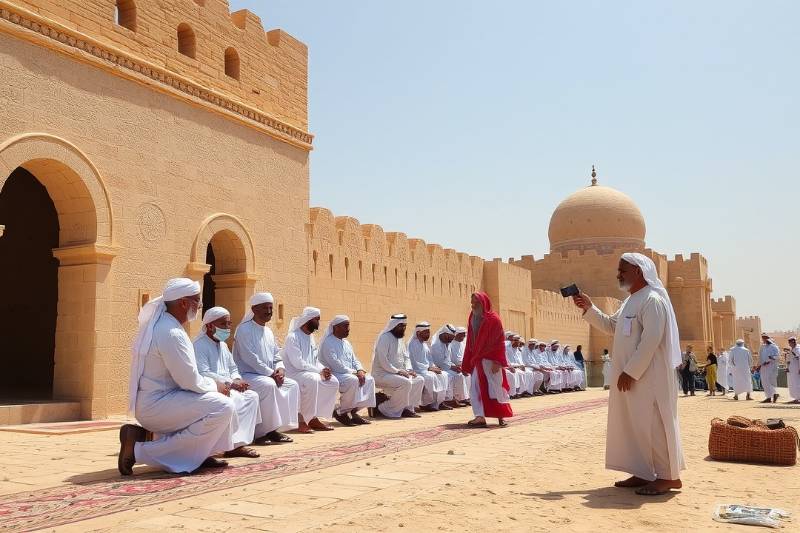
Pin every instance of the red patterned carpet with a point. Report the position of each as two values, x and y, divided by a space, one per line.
66 504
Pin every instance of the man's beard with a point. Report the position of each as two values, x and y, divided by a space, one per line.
625 286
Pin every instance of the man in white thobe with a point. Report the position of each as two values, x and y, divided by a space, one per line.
793 370
191 414
575 371
555 358
215 361
512 376
391 368
643 434
741 360
435 390
442 357
255 353
606 369
553 381
457 357
722 370
532 364
318 385
527 380
768 356
356 387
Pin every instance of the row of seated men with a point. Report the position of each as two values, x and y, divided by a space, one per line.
539 368
197 399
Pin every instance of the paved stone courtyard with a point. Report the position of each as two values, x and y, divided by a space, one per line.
428 474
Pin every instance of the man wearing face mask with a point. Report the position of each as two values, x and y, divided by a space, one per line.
643 434
318 385
191 414
256 355
214 360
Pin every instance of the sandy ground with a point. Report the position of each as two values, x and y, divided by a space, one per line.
542 474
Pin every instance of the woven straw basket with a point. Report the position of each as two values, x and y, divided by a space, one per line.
750 441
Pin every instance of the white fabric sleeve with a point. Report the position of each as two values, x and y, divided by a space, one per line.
203 356
382 355
231 364
177 353
293 356
329 358
653 316
605 323
247 349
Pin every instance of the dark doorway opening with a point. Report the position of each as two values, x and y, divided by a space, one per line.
29 278
209 287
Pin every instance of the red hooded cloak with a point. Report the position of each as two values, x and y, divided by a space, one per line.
488 343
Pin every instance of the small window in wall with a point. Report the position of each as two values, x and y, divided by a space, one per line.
346 268
373 273
396 279
386 276
125 14
187 43
314 259
416 285
232 71
330 264
406 279
425 284
360 271
144 297
280 312
201 3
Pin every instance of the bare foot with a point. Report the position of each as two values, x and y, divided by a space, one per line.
632 481
659 487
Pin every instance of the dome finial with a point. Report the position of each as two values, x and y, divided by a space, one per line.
594 176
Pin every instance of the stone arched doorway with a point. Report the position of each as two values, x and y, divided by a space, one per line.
223 257
81 329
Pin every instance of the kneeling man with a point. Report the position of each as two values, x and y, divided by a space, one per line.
191 414
643 435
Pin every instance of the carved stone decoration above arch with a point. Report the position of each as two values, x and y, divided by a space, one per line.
237 239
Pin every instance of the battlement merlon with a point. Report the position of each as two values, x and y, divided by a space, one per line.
226 61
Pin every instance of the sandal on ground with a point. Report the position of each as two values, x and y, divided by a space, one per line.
242 451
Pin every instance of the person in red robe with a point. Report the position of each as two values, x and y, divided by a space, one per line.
484 360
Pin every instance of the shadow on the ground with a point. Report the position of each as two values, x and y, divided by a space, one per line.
604 497
708 458
112 474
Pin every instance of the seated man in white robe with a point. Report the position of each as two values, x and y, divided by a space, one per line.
515 371
191 414
391 368
575 372
436 381
526 374
532 364
255 353
356 387
741 361
514 381
554 356
457 357
215 361
442 358
318 385
552 377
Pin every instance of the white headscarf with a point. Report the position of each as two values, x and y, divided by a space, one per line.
309 313
739 342
175 289
257 299
422 326
447 328
212 315
460 330
648 269
394 321
338 319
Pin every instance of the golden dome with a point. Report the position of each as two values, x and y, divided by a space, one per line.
596 218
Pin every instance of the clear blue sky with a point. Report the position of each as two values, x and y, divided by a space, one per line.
464 123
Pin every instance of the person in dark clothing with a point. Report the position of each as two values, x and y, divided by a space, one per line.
688 370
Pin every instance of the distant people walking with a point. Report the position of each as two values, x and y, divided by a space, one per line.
606 369
711 372
768 359
688 370
793 370
740 361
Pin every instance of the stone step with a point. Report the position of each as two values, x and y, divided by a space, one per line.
12 413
